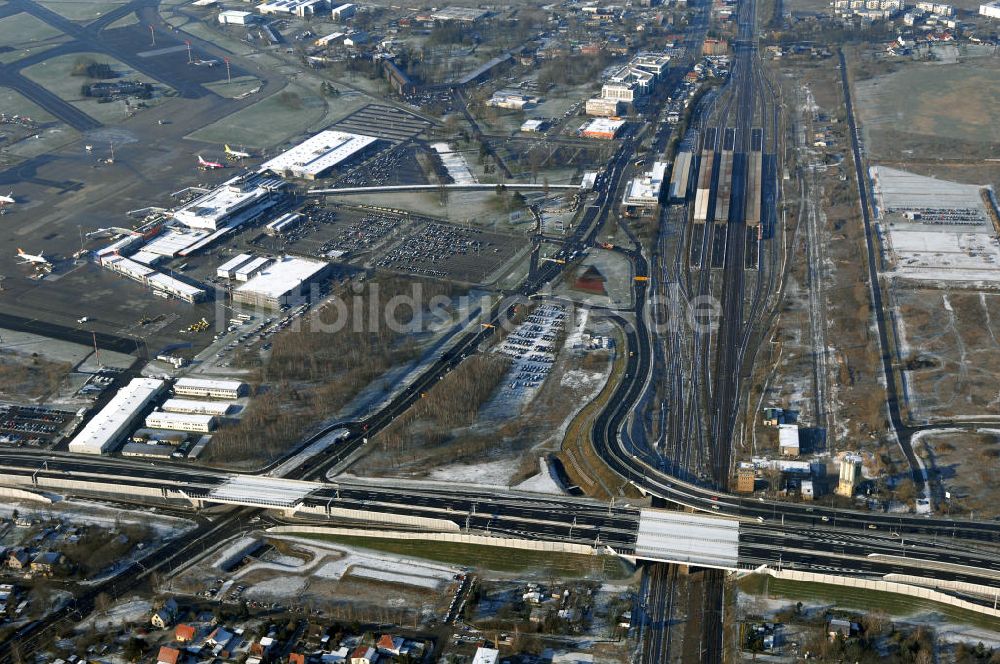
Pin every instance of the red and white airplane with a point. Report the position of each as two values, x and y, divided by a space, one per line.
38 258
208 165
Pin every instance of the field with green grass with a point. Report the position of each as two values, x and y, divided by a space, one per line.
893 604
56 75
23 33
14 103
932 110
496 559
280 117
81 10
231 89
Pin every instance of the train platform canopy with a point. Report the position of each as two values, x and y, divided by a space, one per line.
690 539
263 491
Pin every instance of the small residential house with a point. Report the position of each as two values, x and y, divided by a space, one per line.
18 559
168 655
47 562
185 633
364 655
161 619
390 645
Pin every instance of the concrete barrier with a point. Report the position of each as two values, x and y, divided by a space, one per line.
22 494
385 518
455 538
875 585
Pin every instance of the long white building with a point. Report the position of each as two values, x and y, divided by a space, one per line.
213 389
317 156
196 422
195 407
158 281
111 425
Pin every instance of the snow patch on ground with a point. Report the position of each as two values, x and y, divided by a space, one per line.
543 482
489 473
277 587
134 611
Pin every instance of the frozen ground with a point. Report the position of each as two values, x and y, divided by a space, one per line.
94 513
132 611
287 577
455 164
487 473
935 230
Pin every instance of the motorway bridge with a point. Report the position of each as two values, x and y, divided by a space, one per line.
711 540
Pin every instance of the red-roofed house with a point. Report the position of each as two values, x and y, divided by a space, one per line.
168 655
185 633
296 658
364 655
389 644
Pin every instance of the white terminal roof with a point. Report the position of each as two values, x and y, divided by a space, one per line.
172 241
128 266
605 125
167 283
218 408
208 384
283 276
788 435
235 262
256 490
110 422
208 210
147 257
646 189
670 536
319 153
169 420
252 266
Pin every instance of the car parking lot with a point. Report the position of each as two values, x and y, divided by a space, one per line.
533 347
31 425
446 251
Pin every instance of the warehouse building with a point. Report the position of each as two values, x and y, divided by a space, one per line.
228 269
788 439
213 389
148 450
606 108
300 8
194 407
283 224
235 17
252 269
343 12
990 9
283 282
317 156
196 422
234 202
603 128
111 425
642 196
